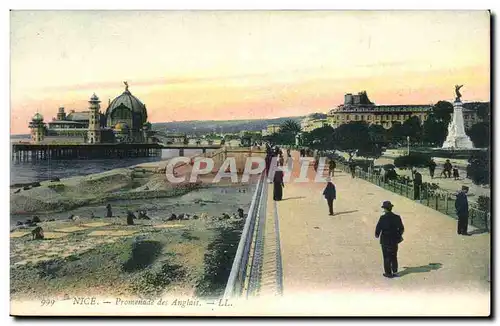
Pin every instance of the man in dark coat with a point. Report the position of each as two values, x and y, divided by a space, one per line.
432 168
417 184
278 185
462 208
390 230
331 167
330 194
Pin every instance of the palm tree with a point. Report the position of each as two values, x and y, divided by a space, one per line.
290 126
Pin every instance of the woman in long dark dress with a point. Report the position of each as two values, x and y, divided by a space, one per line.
278 185
330 194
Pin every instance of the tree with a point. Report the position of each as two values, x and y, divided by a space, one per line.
290 126
320 138
354 138
478 169
281 138
434 132
479 133
378 134
413 128
442 111
482 109
396 133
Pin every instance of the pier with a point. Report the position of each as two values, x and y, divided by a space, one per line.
34 152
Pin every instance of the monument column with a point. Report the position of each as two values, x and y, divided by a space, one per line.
457 138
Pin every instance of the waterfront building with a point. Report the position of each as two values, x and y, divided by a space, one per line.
312 122
125 120
272 129
358 107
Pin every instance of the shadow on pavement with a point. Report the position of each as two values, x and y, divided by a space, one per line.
478 231
420 269
289 198
346 212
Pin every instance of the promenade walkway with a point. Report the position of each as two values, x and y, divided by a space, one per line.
337 261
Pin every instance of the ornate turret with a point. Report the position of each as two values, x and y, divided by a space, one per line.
94 132
37 127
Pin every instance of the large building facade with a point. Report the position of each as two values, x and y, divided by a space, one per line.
358 107
125 120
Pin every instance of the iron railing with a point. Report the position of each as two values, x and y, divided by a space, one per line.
437 199
245 271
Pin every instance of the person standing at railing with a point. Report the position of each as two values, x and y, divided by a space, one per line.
462 209
417 184
390 229
330 194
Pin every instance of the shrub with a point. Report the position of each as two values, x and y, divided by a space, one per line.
478 169
413 160
484 204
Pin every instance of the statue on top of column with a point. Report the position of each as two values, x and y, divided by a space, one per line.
126 86
457 92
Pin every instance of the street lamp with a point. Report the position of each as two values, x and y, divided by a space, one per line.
408 141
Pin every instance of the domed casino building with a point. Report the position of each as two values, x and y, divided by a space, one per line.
126 113
125 120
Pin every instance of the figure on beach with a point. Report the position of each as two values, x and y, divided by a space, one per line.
390 229
130 218
109 212
330 195
37 233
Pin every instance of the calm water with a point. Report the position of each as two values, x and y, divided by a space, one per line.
24 172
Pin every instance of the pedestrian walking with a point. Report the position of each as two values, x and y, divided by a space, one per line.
278 185
390 229
462 209
432 168
330 195
352 167
331 167
456 175
417 184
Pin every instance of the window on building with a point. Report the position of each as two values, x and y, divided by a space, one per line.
466 116
348 117
368 117
362 117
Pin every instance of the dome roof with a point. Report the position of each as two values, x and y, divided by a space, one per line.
37 117
128 100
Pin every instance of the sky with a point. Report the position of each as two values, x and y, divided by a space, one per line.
206 65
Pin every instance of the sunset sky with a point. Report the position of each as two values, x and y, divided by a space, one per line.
243 65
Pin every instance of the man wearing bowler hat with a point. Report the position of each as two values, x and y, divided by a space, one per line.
390 230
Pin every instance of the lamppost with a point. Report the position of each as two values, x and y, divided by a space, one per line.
408 141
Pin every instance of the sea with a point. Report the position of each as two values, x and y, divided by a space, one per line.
26 172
